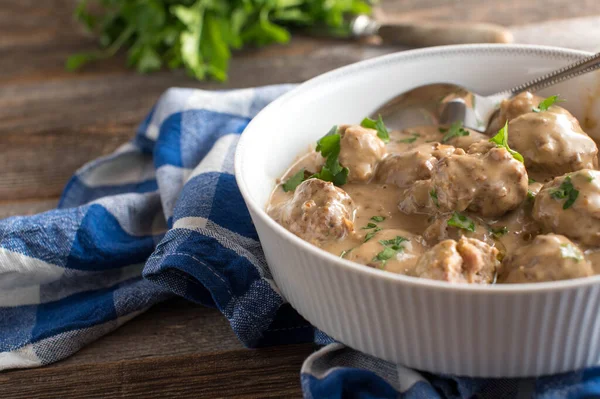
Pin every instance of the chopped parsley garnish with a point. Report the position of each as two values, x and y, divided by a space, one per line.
547 103
394 243
462 222
391 248
345 252
501 140
565 191
378 125
369 226
499 232
371 234
530 195
569 251
412 139
378 218
531 181
434 198
589 177
294 181
456 130
329 147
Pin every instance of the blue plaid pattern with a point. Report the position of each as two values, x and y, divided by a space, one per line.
163 216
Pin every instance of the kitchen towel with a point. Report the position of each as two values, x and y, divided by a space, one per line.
163 216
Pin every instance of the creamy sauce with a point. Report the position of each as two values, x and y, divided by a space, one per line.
480 181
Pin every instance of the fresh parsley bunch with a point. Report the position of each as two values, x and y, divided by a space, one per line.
199 34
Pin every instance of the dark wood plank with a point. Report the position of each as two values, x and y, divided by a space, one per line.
174 327
26 207
270 372
506 12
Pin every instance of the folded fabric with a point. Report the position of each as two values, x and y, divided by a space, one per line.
163 216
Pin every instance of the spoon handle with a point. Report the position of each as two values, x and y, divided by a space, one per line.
570 71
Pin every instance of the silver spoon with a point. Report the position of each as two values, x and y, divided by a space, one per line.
445 103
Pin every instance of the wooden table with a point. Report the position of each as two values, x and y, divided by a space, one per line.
52 122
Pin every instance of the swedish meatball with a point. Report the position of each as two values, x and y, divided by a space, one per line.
360 151
467 260
439 230
570 205
487 181
552 143
548 257
317 212
514 107
402 259
405 168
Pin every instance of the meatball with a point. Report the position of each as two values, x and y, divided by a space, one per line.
401 261
439 230
406 168
548 257
552 143
570 205
520 104
486 180
360 151
467 260
317 212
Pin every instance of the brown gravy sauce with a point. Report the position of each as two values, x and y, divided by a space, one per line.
374 199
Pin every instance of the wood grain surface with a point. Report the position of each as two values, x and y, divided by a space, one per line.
52 122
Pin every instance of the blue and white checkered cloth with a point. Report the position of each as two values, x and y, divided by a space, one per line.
163 216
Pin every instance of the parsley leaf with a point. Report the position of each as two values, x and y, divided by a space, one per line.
394 243
569 251
378 125
371 234
434 198
294 181
369 226
546 103
567 191
378 218
199 35
412 139
456 130
530 180
345 252
499 232
390 250
501 140
385 255
530 195
329 147
461 222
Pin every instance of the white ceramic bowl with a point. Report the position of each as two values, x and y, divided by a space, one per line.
480 331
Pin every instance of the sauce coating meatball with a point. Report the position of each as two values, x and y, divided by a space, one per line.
400 261
408 167
465 141
486 180
360 151
570 205
548 257
318 211
467 260
552 143
520 104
